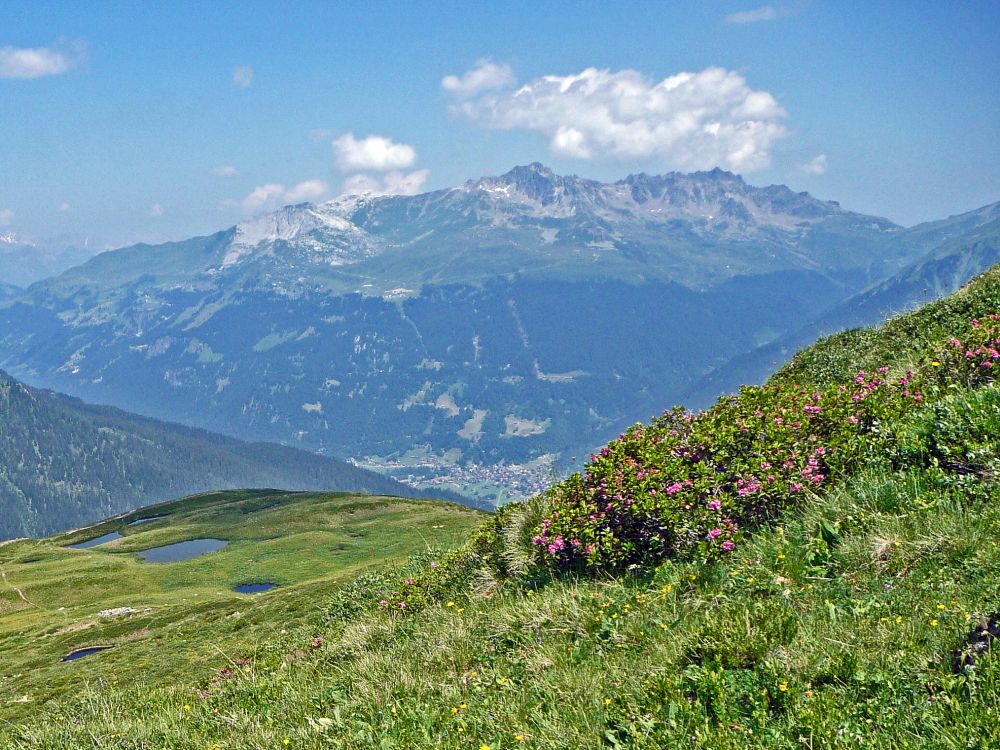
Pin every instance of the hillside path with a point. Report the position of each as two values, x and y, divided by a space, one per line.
3 574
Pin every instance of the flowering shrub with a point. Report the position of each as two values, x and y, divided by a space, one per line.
690 483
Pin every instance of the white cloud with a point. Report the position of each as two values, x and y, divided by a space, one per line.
263 195
64 207
6 217
687 121
40 61
763 13
308 190
392 183
486 76
375 152
156 210
815 166
225 170
243 76
274 195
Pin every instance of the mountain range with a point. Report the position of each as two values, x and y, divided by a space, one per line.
473 337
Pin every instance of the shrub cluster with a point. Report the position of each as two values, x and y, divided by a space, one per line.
691 483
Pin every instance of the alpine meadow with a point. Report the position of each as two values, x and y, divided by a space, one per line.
324 426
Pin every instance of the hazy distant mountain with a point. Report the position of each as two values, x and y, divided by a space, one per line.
8 290
64 463
951 252
503 319
23 263
963 247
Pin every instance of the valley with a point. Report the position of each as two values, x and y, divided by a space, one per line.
494 484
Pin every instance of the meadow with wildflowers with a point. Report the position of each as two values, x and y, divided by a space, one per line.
814 563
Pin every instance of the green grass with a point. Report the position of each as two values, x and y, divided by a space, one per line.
188 614
844 644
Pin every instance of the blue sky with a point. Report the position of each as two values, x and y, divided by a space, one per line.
123 122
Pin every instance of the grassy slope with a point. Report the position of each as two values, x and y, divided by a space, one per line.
834 629
50 595
858 652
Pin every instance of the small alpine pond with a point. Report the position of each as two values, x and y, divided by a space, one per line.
254 588
82 652
96 541
182 550
140 521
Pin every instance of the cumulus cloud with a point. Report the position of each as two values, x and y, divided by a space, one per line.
308 190
39 62
225 170
6 217
763 13
391 183
688 120
374 153
263 195
485 76
274 195
815 166
243 76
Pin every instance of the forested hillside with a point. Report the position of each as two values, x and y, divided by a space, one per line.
64 463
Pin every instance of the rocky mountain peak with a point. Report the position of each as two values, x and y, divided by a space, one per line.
534 182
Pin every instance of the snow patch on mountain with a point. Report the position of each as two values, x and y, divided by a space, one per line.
320 233
9 238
